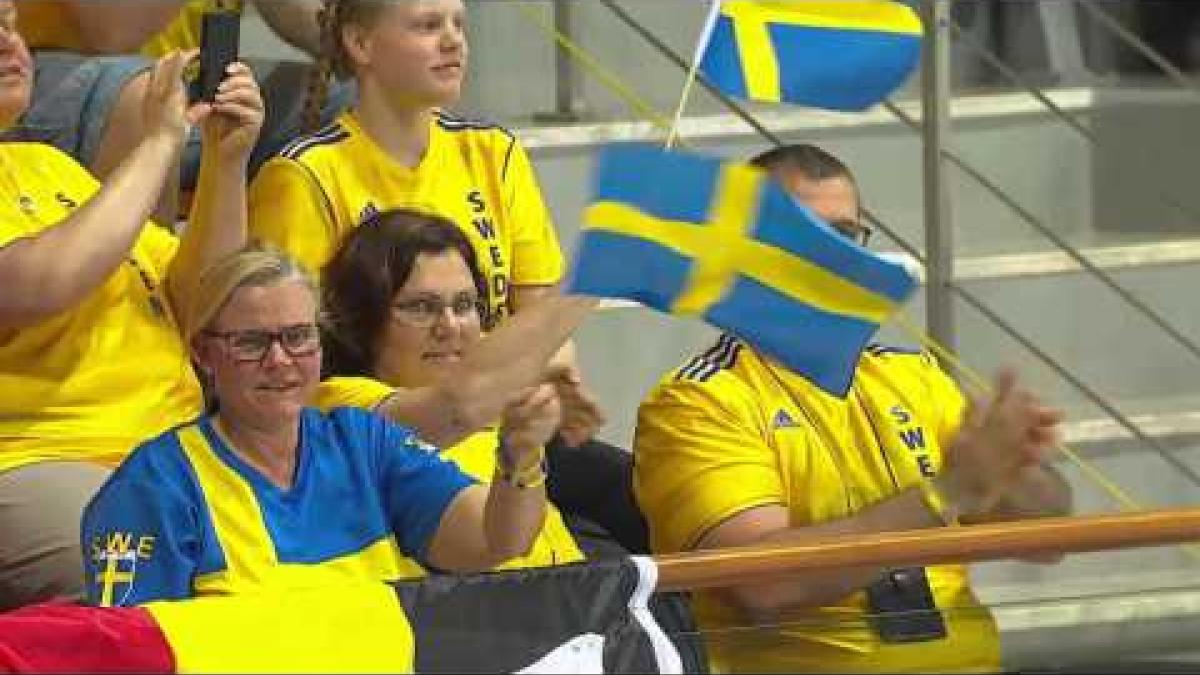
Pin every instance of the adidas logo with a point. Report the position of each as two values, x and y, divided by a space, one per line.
783 421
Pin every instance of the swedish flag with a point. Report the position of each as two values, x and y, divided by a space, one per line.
694 236
839 54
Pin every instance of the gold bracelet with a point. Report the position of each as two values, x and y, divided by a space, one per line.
531 475
525 481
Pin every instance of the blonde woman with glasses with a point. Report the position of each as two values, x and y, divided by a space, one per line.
265 493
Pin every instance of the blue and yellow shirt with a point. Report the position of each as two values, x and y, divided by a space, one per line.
476 456
185 516
731 431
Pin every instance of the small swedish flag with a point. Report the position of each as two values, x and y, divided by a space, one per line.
835 54
693 236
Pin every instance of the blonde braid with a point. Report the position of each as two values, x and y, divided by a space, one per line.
318 84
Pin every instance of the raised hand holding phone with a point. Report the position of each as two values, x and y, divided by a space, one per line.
219 39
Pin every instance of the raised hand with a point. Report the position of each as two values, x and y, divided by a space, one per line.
165 111
999 440
529 422
581 413
231 123
235 117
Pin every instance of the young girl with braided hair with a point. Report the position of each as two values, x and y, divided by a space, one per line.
400 148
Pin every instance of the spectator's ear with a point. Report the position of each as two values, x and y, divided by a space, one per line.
356 45
203 354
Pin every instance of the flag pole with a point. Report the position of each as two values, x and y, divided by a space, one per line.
692 74
673 134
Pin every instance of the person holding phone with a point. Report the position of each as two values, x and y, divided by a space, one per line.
91 356
732 449
93 59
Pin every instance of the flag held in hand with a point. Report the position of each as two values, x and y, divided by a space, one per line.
693 236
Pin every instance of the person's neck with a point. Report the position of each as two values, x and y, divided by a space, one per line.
272 451
402 131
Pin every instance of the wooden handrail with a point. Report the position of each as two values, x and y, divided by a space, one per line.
974 543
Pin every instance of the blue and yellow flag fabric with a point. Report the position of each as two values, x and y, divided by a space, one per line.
693 236
835 54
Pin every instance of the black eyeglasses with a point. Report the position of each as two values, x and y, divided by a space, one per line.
854 230
252 345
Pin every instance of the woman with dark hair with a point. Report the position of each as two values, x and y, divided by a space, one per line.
363 277
447 393
405 317
474 384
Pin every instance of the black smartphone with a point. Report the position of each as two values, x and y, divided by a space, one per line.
219 36
901 607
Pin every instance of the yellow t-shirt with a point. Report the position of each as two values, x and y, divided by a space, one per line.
181 34
322 186
49 24
476 456
91 383
730 431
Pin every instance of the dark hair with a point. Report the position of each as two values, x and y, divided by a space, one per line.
374 262
813 162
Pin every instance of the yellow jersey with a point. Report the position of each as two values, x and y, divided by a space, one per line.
182 34
730 431
476 175
93 382
476 456
49 24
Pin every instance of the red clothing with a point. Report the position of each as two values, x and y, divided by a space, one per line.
99 640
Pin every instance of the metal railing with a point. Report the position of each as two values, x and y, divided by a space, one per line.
939 295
